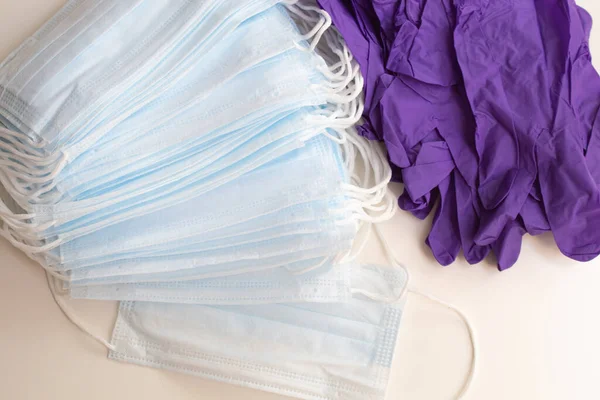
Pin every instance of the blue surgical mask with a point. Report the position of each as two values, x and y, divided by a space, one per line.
212 262
50 157
266 90
260 38
257 40
311 172
72 219
324 283
116 43
304 218
324 350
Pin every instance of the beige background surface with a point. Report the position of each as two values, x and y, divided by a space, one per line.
538 325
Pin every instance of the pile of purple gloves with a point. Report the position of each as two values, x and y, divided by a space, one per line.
489 108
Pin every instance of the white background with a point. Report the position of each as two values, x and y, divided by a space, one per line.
537 324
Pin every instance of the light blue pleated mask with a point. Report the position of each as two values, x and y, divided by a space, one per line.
314 171
163 109
258 39
339 351
284 225
153 133
89 53
220 260
320 282
267 92
261 123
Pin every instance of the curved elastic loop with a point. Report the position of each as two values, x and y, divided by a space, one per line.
394 261
16 149
334 77
11 150
343 65
349 78
26 175
321 31
38 194
378 297
26 139
381 185
317 32
472 338
29 231
314 30
312 267
362 243
339 116
55 273
376 207
21 150
29 249
22 200
39 260
6 213
340 139
352 119
24 230
383 217
73 318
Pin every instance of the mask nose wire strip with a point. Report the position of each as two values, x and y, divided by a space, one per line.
75 320
474 352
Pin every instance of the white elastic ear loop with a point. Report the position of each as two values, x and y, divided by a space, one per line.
39 194
342 85
25 139
312 267
344 75
324 22
24 229
371 198
361 242
75 320
341 138
345 98
17 189
14 190
366 156
367 200
321 32
16 148
52 271
317 32
354 116
310 34
469 378
337 70
6 213
370 205
29 176
18 222
386 215
29 249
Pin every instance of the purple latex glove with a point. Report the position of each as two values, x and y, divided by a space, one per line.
426 53
492 107
444 238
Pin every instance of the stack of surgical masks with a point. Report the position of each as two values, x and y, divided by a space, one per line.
195 160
